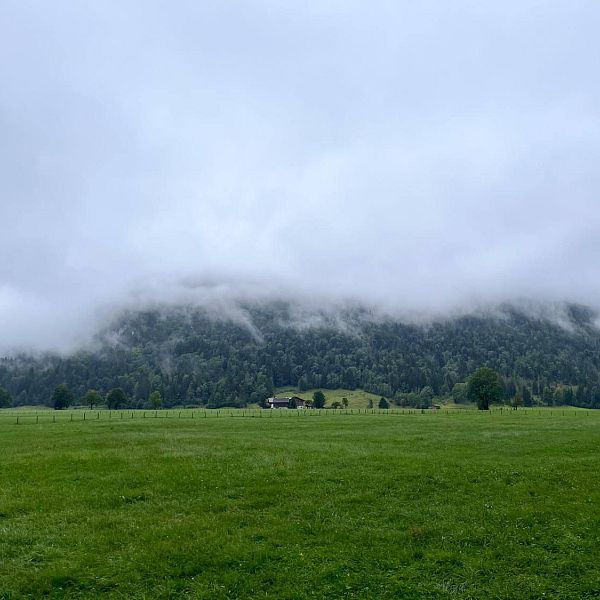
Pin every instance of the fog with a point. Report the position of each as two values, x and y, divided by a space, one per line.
418 157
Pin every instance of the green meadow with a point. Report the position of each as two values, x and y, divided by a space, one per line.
249 504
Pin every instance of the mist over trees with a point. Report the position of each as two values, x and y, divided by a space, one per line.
187 357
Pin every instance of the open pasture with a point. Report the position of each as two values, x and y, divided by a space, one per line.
41 414
414 505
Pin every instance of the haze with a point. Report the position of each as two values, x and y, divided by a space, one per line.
422 156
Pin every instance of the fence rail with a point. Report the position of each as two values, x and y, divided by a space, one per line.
61 416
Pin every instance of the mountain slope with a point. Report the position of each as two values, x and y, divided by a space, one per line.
236 357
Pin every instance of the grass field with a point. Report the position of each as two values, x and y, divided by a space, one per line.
433 505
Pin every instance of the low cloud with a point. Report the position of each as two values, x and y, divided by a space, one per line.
422 159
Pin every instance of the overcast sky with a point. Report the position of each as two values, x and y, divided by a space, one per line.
425 155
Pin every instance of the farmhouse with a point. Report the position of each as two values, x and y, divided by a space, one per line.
287 402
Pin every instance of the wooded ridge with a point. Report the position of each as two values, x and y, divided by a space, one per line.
192 357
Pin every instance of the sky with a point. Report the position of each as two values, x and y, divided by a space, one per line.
422 156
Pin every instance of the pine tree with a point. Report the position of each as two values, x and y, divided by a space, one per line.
5 398
527 400
319 399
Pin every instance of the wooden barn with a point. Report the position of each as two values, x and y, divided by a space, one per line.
286 402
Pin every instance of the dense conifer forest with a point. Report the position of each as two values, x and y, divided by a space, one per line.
234 359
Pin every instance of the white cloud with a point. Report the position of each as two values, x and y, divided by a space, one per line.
417 155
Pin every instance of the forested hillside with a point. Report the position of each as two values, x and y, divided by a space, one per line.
192 357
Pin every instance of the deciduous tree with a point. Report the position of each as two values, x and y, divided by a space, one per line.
62 397
92 398
459 393
155 399
484 387
115 398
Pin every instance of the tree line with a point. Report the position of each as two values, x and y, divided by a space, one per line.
188 357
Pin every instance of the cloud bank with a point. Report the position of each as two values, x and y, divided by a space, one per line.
417 156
